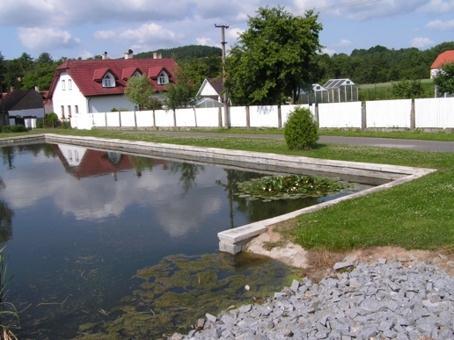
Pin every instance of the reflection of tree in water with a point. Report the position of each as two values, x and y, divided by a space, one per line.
8 156
6 218
233 177
141 164
188 174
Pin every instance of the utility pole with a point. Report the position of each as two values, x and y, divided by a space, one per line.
225 96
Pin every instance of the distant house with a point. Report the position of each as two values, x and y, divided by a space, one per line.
210 93
442 59
85 86
21 107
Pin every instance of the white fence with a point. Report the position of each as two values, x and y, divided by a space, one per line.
435 113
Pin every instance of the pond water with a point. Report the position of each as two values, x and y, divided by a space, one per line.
101 244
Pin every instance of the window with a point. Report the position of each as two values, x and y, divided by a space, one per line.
163 78
69 111
63 85
70 84
62 112
108 80
137 74
76 109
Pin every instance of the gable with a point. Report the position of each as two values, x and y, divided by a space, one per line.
207 90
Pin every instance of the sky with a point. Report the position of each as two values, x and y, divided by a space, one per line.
84 28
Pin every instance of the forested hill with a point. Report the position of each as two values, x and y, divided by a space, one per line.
185 52
380 64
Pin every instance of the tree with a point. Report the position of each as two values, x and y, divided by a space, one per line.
41 73
140 92
179 95
3 86
407 89
445 79
274 58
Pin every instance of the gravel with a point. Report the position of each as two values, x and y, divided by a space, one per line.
381 300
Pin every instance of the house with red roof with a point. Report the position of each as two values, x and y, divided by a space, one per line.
443 58
86 86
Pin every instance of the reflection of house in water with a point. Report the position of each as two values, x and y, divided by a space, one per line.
82 162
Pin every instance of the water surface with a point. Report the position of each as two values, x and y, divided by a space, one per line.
100 243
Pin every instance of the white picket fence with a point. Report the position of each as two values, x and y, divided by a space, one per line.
436 113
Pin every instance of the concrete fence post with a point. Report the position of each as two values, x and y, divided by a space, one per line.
119 119
413 115
279 116
220 117
248 117
195 116
174 118
135 120
105 118
363 116
316 115
154 119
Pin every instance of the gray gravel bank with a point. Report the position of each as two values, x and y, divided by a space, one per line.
382 300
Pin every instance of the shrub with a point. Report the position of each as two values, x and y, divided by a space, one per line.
301 131
13 128
50 120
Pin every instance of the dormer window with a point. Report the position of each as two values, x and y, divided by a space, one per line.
108 80
163 78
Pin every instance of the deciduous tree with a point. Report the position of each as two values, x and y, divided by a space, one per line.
140 92
445 79
274 57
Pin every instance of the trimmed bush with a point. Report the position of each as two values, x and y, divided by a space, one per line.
14 128
300 131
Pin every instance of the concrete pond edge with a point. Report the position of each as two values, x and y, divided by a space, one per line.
236 239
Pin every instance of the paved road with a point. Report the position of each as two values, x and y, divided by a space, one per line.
409 144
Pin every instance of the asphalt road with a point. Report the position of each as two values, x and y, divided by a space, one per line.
409 144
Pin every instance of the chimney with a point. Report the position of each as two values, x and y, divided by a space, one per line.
159 56
129 54
155 55
105 56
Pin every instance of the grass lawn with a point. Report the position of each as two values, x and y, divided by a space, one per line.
416 215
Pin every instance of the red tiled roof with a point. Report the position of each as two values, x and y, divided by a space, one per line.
87 74
443 58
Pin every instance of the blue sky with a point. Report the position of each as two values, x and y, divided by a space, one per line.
85 28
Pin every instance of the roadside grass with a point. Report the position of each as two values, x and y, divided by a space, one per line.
403 134
416 215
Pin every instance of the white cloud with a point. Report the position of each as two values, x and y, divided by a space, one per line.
57 12
205 41
344 43
360 9
233 34
329 51
442 25
441 6
421 42
40 39
144 37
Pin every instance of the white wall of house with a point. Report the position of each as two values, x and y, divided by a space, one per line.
68 95
434 73
107 103
73 154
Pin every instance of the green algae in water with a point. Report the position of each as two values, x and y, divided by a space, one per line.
172 294
287 187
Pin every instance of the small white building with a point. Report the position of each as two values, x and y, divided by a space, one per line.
87 86
442 59
21 107
210 93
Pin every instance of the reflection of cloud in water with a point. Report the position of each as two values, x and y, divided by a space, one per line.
102 197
